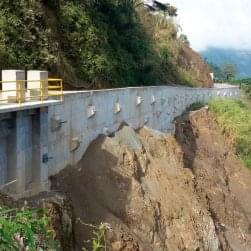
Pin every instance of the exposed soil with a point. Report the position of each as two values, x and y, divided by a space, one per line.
159 192
222 183
6 201
191 61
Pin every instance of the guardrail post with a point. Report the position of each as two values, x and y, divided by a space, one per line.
13 86
37 82
62 90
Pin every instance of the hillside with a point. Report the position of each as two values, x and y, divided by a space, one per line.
97 44
240 58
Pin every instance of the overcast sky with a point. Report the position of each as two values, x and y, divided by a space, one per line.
218 23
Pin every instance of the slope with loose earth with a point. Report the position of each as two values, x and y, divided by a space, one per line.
160 192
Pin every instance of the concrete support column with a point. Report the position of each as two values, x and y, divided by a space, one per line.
3 161
23 150
40 150
3 152
37 82
19 152
14 84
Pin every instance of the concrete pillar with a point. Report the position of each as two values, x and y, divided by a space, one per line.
40 150
13 80
37 83
19 152
3 161
11 154
23 150
3 152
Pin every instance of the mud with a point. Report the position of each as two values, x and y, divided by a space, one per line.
160 192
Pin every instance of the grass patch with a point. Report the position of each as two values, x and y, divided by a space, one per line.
234 117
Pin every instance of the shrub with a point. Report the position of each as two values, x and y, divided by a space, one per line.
196 106
26 229
24 36
98 242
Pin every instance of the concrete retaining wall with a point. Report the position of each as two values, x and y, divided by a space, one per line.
84 115
36 142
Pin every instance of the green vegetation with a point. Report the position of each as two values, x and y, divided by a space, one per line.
184 39
223 73
105 42
228 71
234 117
245 85
98 242
24 37
94 44
26 229
247 89
196 106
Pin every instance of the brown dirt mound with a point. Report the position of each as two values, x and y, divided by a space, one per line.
136 181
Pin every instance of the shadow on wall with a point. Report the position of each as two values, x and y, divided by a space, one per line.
96 191
186 136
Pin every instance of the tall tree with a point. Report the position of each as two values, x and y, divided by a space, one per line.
165 8
184 39
228 71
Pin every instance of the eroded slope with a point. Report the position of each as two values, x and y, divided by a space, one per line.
159 193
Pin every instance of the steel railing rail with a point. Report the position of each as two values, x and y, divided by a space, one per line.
53 87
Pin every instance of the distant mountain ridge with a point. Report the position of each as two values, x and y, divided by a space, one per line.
241 58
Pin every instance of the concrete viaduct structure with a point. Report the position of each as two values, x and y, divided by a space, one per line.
42 134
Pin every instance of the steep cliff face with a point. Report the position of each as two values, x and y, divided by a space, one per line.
96 44
159 192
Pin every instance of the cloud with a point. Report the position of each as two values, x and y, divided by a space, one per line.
215 23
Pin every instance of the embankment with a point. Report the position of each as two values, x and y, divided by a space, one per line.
160 192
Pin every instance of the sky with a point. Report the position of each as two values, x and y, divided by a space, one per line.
215 23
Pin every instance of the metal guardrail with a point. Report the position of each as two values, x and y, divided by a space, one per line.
20 92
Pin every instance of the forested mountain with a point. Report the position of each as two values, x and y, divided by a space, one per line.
98 44
240 58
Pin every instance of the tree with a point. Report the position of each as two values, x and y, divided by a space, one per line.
228 71
184 39
218 74
165 8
